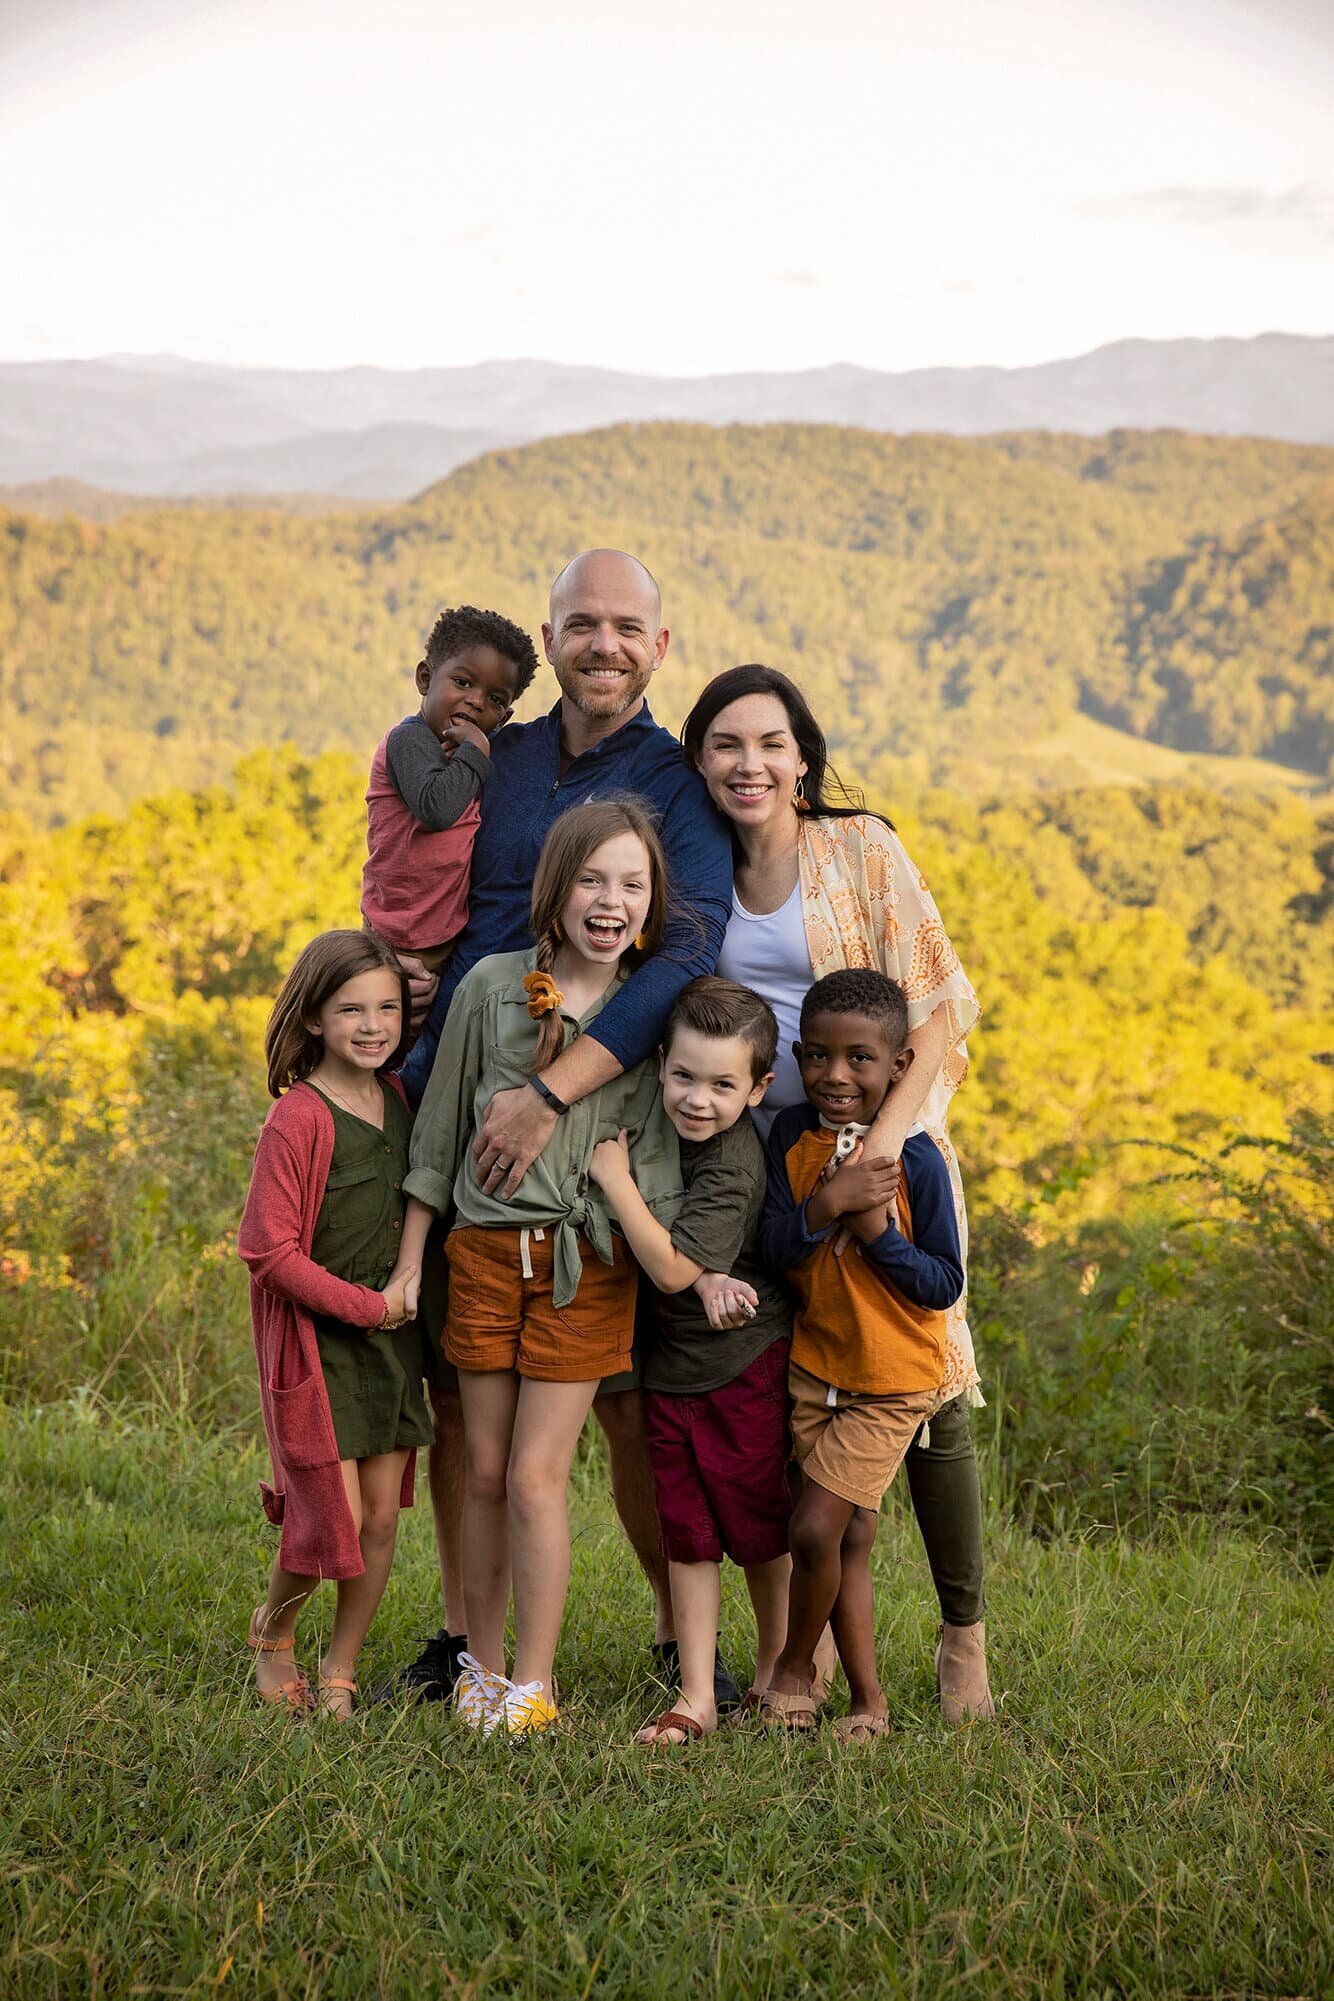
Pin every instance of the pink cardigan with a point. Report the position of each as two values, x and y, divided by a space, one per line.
277 1229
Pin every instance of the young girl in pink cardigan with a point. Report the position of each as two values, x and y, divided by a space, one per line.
340 1361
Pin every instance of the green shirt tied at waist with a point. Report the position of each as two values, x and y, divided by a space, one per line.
486 1046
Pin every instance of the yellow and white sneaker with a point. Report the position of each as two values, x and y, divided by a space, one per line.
525 1710
479 1695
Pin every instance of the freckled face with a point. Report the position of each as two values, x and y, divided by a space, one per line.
610 901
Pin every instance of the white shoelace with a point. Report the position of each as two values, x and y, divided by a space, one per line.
516 1694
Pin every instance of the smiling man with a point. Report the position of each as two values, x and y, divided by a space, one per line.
605 639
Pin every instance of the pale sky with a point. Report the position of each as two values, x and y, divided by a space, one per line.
699 186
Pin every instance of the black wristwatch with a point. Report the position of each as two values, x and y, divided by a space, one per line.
548 1097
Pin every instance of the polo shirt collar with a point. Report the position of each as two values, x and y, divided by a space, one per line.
625 738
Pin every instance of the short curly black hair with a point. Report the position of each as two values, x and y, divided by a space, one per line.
466 625
857 990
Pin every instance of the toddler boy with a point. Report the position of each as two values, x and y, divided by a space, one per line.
422 807
868 1338
715 1403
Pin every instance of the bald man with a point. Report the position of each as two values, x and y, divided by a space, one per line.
605 639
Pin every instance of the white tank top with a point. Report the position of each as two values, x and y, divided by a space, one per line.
769 955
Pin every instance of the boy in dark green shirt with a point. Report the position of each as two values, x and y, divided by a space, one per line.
715 1402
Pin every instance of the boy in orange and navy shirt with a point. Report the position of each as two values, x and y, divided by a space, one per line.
870 1249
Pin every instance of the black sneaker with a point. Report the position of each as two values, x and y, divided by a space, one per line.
726 1694
431 1677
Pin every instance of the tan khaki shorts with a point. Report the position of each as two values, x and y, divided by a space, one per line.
852 1448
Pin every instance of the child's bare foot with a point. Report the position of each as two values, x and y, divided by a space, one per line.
681 1724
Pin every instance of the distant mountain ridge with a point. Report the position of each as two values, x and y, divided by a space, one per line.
168 426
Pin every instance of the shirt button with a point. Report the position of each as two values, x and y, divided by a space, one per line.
398 1184
397 1224
389 1149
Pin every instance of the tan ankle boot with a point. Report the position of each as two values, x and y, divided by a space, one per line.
961 1673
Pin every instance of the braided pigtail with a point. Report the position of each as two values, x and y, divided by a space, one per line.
544 1002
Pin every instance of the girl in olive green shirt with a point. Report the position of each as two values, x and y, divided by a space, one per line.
541 1294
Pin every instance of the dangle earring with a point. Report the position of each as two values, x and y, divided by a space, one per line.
641 939
799 799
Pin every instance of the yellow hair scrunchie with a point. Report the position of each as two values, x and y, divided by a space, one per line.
544 996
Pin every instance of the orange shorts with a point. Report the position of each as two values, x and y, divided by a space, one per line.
498 1319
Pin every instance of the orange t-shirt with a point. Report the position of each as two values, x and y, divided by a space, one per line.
853 1327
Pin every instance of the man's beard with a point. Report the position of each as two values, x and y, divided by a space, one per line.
594 704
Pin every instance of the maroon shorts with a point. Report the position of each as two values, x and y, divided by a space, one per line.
719 1464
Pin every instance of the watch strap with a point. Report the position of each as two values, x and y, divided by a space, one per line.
548 1097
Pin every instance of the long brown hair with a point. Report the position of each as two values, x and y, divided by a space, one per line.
322 967
572 839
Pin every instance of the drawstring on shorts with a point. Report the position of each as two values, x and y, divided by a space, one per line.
525 1256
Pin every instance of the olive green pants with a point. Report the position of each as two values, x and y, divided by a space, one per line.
946 1498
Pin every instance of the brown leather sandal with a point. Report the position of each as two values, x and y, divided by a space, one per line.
861 1727
293 1693
672 1719
781 1711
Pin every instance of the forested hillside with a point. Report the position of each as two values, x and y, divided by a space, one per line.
1154 963
947 603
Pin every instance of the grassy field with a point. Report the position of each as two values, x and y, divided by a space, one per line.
1150 1817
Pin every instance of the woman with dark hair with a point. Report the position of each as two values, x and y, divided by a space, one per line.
819 884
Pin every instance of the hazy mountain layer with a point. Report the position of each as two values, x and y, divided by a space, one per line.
168 426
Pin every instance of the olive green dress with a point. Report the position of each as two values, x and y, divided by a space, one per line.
373 1376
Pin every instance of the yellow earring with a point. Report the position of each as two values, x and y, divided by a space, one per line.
641 939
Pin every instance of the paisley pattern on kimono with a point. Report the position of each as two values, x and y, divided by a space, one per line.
864 903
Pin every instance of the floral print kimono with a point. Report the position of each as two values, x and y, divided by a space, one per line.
865 904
